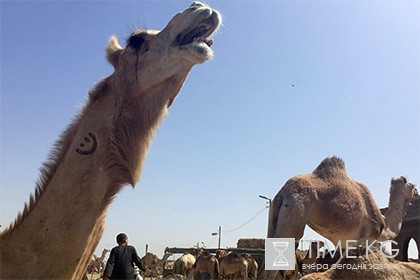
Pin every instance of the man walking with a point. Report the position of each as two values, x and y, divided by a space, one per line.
120 264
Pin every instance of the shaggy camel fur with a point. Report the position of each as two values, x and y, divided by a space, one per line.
154 264
206 264
104 148
336 206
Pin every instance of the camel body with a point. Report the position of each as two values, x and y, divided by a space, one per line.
104 148
206 263
184 265
154 264
336 206
232 265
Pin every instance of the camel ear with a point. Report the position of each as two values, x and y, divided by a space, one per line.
113 51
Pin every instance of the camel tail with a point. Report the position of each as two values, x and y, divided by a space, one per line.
331 167
275 209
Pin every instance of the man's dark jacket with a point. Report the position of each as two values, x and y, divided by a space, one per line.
121 262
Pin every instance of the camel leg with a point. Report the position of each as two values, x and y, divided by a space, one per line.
289 215
190 273
244 272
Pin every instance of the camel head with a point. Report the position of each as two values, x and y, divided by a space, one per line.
152 57
199 251
105 251
167 255
221 253
400 187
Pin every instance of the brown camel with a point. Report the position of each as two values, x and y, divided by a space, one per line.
336 206
252 266
154 264
96 263
184 265
104 148
232 265
206 264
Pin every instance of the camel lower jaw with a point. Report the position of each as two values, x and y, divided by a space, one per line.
197 51
201 46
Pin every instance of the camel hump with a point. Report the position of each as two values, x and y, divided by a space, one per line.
330 167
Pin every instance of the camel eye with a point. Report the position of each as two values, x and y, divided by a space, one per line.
136 42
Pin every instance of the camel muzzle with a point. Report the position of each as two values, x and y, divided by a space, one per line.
203 24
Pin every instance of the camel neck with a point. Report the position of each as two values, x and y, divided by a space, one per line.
100 152
393 219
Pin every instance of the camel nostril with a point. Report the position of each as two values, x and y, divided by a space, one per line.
197 4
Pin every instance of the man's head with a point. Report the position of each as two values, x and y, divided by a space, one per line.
122 238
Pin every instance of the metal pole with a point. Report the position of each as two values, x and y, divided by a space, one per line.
266 198
220 235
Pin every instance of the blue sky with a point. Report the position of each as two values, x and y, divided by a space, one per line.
291 83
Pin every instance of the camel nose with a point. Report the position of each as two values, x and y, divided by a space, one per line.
197 4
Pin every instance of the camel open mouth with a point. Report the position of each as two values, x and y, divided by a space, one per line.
201 32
